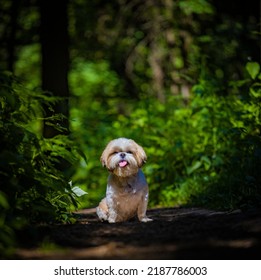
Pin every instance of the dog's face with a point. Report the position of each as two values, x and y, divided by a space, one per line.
123 157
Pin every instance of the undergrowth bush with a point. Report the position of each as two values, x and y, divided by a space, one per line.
32 188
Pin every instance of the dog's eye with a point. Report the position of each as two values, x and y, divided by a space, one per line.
114 153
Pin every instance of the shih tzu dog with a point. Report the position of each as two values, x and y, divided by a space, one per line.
127 190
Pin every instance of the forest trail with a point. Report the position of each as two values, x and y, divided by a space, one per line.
175 233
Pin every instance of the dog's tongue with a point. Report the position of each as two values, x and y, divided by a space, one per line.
123 163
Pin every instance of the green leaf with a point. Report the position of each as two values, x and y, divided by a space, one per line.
206 161
197 7
194 167
3 201
78 191
256 94
253 69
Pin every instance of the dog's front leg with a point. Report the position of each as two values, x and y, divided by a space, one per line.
142 208
112 212
112 216
102 210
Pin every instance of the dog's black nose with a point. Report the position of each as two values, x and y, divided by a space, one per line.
122 155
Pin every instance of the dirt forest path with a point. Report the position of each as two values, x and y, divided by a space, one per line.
175 233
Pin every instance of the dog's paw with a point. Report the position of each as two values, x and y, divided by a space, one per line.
103 216
145 220
111 220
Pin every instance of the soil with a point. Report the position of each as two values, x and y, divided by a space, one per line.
174 233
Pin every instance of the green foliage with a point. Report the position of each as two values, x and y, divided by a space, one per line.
95 105
29 60
253 69
33 188
195 6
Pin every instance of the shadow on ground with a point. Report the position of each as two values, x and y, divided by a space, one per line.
175 233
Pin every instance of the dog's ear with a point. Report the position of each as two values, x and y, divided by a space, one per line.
103 162
105 155
140 155
103 158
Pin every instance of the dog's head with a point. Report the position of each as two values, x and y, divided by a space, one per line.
123 157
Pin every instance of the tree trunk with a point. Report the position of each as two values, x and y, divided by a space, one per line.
11 42
55 62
